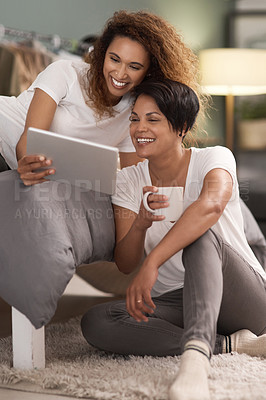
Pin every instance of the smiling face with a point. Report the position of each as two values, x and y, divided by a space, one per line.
150 131
125 65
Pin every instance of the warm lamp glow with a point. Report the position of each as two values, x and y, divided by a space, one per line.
233 71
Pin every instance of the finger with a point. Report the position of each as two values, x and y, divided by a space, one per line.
157 205
145 310
133 311
140 308
134 305
139 314
36 176
157 198
31 158
129 301
38 165
31 183
148 300
153 189
144 303
148 216
30 167
154 201
157 218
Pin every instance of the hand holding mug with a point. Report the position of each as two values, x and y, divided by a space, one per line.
145 218
174 195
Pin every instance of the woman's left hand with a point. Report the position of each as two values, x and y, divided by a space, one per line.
138 298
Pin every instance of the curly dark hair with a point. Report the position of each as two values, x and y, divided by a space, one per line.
169 56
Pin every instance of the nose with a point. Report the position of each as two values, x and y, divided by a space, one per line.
142 125
121 72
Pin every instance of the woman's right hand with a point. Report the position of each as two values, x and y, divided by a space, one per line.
155 201
27 166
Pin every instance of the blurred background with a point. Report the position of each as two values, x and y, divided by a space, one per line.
203 24
67 28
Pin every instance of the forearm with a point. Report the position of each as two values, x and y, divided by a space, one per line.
40 115
200 216
131 228
129 251
195 221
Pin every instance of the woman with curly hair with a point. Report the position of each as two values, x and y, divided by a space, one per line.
91 99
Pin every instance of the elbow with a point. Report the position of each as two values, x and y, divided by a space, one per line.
218 209
123 268
125 272
215 209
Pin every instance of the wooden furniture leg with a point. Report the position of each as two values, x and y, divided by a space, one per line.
28 343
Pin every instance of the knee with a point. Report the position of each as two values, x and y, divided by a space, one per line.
93 323
200 247
101 324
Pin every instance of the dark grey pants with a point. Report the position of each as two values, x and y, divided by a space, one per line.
222 294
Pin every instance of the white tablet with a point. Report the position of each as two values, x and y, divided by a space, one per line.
79 162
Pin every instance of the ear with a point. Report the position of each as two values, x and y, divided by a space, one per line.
182 134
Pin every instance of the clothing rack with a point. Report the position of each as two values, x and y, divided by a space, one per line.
55 40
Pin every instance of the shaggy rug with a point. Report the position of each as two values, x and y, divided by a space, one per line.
75 369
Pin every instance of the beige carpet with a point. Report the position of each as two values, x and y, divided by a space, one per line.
76 369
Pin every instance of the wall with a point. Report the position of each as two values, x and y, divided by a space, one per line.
250 5
69 18
202 23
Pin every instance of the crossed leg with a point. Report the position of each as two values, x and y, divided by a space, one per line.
221 291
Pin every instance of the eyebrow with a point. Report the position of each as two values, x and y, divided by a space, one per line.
148 114
132 62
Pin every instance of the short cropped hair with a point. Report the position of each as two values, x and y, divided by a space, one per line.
177 101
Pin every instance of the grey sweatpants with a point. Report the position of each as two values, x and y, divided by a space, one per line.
222 294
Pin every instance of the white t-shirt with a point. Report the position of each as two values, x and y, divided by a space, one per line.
73 117
128 194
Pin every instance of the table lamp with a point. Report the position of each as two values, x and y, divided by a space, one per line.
233 72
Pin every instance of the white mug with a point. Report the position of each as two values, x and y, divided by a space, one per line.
175 200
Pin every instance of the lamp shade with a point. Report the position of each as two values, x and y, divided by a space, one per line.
233 71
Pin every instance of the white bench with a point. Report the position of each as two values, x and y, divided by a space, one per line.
28 343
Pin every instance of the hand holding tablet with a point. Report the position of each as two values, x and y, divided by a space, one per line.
89 165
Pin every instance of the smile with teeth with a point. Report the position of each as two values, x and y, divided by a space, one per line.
145 140
117 83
